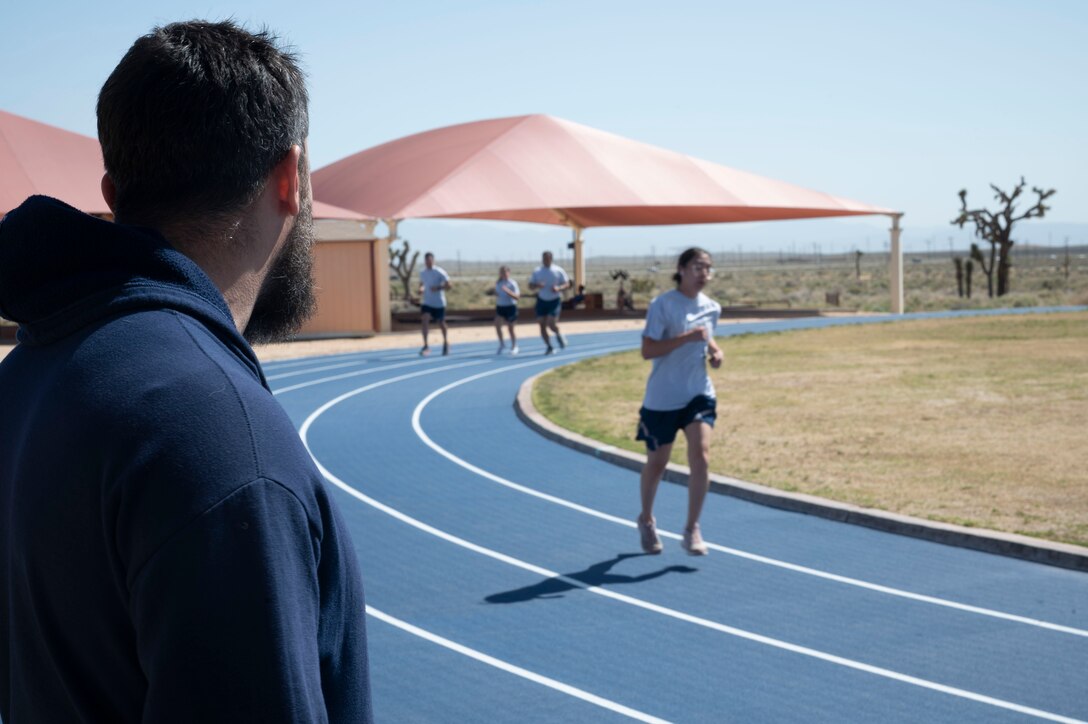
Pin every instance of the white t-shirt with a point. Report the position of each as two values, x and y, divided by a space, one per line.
548 276
436 276
679 376
502 299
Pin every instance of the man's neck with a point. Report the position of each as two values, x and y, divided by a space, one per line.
236 257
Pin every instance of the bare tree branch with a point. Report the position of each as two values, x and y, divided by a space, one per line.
989 226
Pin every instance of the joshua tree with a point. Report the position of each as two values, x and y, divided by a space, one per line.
403 267
996 228
988 270
968 268
857 263
959 275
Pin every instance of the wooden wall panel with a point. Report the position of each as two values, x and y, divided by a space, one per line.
344 272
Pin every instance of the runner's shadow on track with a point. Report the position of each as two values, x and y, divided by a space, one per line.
599 574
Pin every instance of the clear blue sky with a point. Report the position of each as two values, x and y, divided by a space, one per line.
898 104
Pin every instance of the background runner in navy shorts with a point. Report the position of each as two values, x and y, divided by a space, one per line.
547 308
437 313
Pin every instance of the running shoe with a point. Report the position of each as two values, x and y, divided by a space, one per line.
561 340
445 348
425 351
647 534
549 350
502 347
693 541
514 349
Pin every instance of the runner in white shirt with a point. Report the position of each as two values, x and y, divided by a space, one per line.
507 294
679 338
434 282
550 280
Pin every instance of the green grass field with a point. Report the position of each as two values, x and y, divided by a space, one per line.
975 421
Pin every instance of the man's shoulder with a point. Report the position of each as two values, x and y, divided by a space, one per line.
173 373
210 418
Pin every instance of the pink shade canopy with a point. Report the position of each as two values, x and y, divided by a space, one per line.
36 158
548 170
328 211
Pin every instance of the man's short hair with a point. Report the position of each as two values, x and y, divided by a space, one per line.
195 117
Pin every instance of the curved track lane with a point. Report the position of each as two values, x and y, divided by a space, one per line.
504 580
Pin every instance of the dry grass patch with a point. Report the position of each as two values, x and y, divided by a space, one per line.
976 421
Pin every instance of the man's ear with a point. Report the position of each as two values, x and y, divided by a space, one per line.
109 192
285 176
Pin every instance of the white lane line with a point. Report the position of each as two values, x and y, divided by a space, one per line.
374 385
347 375
516 670
672 613
344 376
312 370
273 365
543 680
417 413
359 373
327 362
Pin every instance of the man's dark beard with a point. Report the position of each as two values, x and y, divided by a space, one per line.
286 299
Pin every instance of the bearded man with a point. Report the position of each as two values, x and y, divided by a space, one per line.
168 549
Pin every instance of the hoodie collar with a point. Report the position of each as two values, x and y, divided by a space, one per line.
62 270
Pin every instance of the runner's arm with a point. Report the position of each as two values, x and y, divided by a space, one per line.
715 353
652 348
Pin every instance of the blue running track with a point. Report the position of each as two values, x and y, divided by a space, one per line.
505 583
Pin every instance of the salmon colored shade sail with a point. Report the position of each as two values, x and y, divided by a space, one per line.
322 210
36 158
543 169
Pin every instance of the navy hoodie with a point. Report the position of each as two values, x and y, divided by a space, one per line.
168 550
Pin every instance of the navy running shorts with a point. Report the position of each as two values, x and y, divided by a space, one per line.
509 312
437 313
659 427
547 308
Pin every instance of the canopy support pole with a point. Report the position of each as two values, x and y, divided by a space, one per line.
895 266
391 225
383 309
579 258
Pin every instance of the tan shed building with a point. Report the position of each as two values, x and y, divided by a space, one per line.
351 268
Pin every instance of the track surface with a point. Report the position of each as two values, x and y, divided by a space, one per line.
504 580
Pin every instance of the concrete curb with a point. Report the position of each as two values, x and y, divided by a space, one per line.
1006 544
